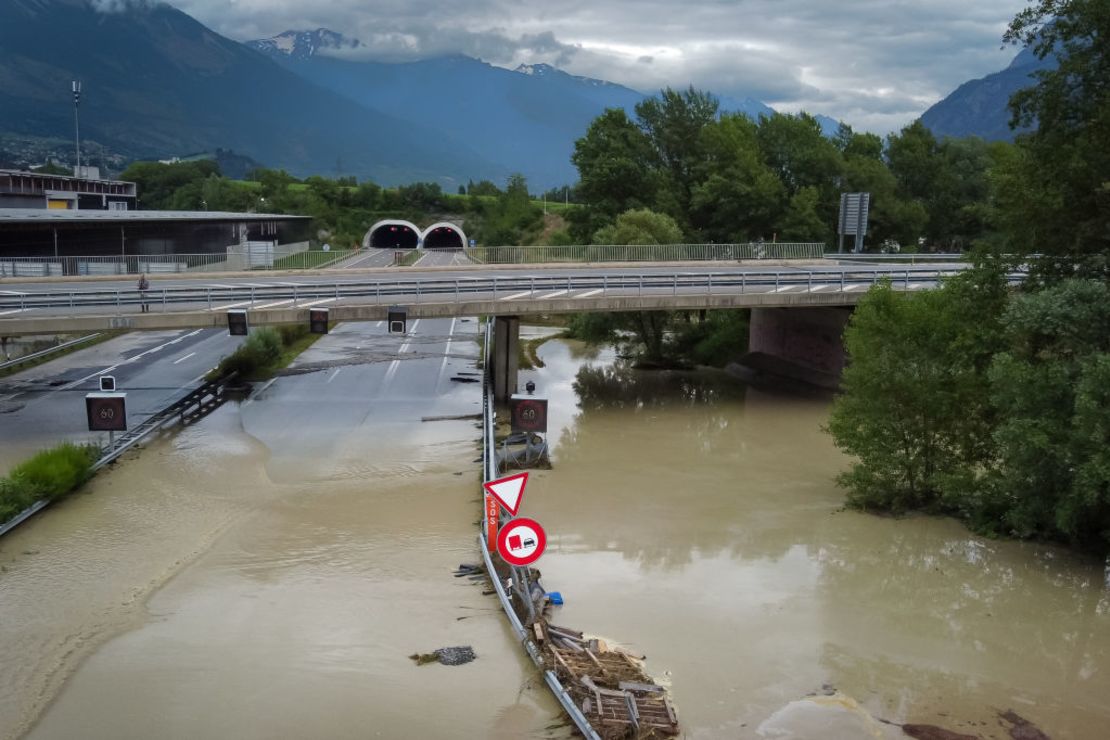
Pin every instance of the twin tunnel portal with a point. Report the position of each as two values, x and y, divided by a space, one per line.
400 234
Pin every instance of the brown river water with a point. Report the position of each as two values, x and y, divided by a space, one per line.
228 582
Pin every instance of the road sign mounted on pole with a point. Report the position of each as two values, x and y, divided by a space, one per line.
508 491
521 542
237 323
318 320
106 412
398 319
854 209
492 512
528 413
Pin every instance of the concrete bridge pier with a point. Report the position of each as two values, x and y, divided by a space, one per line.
803 344
506 343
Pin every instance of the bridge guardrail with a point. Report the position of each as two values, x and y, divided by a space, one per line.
426 289
576 253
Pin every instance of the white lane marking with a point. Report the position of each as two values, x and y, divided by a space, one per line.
518 295
553 295
917 286
275 303
11 292
317 303
337 371
221 285
378 325
412 330
17 310
446 352
854 286
105 371
182 359
231 305
785 288
819 288
589 293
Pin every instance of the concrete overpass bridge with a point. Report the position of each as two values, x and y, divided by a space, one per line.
777 295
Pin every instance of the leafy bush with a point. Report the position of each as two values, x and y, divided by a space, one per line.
261 350
50 474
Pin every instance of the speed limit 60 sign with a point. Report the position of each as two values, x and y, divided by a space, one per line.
107 412
529 414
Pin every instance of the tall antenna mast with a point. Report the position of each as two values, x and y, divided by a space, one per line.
77 124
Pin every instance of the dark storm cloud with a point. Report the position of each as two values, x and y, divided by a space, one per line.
874 63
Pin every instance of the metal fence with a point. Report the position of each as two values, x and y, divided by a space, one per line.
163 263
646 253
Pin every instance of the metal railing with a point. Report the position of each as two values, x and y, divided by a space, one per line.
16 362
908 258
156 264
432 289
490 472
506 255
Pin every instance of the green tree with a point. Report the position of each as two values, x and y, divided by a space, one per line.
802 222
1065 208
614 166
673 122
1051 387
640 227
158 183
737 197
914 408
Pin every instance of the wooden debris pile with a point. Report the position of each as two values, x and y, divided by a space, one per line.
608 685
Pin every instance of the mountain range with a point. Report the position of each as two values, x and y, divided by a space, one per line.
158 83
981 107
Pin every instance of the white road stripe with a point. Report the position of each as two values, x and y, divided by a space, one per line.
337 371
590 293
446 352
518 295
317 303
275 303
11 292
819 288
221 285
854 286
17 310
553 295
231 305
182 359
785 288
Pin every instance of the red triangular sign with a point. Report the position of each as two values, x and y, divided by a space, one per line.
509 491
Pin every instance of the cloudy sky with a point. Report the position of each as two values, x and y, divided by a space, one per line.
877 64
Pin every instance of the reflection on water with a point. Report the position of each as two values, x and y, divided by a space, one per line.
696 520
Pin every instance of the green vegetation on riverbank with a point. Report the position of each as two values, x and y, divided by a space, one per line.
265 352
48 475
668 338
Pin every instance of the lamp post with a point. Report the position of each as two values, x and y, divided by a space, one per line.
77 124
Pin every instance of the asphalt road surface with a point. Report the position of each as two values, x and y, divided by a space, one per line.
45 405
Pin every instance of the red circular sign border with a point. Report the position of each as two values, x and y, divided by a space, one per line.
529 403
503 535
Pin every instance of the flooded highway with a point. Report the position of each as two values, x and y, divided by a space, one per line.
267 572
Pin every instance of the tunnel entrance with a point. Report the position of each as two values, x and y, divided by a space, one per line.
394 235
444 236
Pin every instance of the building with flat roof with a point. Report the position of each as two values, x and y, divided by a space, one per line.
19 189
70 242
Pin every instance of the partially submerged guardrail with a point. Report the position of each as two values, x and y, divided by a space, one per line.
47 352
522 587
191 407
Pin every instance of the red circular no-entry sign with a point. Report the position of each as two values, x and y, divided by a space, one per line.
521 541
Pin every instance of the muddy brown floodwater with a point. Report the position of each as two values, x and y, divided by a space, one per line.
695 520
266 573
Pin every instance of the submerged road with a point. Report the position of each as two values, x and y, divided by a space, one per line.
45 404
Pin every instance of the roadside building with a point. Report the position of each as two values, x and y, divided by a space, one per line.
36 190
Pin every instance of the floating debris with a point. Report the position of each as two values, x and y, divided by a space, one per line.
446 656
